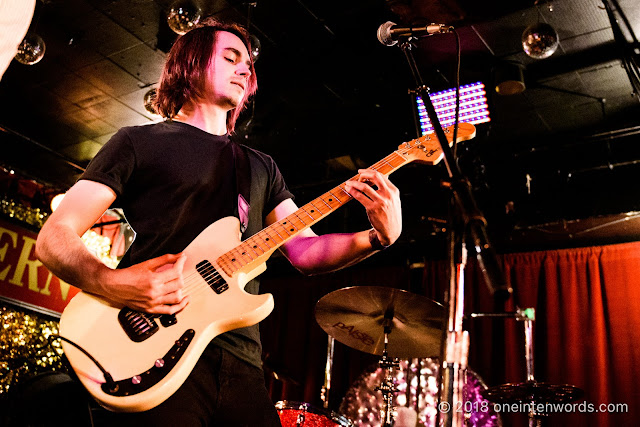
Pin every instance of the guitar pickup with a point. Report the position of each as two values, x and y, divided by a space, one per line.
137 325
209 273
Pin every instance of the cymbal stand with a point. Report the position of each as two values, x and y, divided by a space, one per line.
527 316
326 388
387 388
456 350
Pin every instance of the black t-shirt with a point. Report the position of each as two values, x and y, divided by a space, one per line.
172 180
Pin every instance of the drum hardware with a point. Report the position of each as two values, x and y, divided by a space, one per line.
534 394
300 419
387 388
277 371
326 387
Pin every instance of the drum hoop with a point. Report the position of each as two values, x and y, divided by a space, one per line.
307 407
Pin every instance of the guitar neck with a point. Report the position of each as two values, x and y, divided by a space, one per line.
257 248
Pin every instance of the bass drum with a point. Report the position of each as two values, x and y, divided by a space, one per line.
416 382
299 414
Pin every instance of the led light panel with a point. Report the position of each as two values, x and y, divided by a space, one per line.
473 106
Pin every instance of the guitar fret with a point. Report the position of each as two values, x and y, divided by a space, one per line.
311 209
223 262
239 258
322 200
251 248
235 260
330 200
289 221
308 214
282 225
349 197
275 229
274 237
266 239
335 197
304 224
244 253
313 203
255 246
296 224
399 160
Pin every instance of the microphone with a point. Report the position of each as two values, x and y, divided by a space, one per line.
389 32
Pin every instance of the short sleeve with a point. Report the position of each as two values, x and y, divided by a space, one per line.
114 163
278 188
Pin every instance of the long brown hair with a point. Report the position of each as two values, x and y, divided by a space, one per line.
185 70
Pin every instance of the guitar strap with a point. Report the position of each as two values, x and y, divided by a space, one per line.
243 183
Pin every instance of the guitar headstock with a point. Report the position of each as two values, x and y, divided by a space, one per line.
426 149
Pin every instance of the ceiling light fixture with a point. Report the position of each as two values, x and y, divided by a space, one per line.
508 77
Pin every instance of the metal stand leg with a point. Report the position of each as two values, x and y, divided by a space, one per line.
454 364
326 388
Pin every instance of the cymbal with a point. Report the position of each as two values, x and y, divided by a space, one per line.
355 316
532 391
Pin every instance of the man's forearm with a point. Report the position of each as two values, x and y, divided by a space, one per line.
66 256
329 252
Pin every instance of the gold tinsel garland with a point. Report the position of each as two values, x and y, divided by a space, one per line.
26 214
24 338
25 347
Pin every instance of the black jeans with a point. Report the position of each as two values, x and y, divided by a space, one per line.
222 391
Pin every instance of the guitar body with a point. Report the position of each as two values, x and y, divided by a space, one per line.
93 322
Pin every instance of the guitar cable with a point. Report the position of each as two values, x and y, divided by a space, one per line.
111 384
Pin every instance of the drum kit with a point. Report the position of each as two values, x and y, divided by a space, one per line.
406 331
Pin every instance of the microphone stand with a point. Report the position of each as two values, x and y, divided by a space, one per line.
474 233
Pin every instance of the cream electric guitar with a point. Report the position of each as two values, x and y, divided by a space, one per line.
145 357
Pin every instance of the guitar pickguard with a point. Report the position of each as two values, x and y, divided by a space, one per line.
145 380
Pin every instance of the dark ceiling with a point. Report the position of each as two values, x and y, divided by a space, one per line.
332 98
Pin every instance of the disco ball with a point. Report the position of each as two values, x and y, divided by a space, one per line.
183 16
255 47
540 40
149 100
31 49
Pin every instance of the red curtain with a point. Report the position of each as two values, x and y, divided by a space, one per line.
587 329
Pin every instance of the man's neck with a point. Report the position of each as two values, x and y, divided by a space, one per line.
207 117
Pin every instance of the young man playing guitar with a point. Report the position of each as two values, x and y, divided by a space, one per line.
172 180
